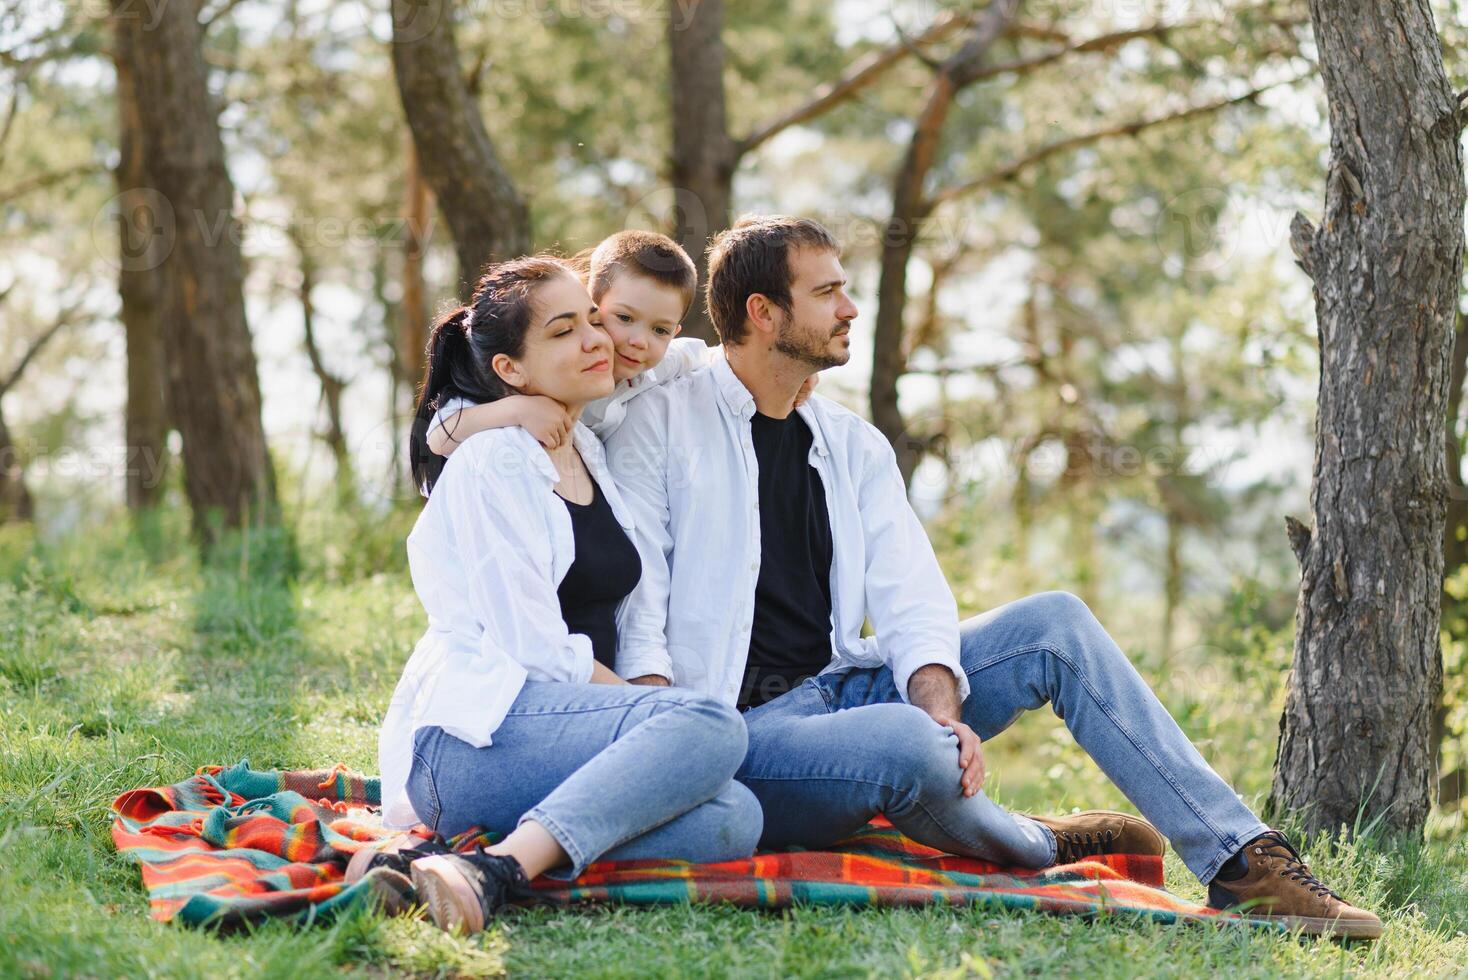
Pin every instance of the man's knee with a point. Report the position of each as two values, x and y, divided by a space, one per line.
921 755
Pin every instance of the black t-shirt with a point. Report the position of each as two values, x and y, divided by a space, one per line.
791 636
606 569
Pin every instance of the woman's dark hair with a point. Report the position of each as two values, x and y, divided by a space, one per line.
463 344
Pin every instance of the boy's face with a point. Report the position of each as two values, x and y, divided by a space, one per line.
642 315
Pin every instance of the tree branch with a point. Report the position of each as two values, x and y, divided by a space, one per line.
855 79
14 192
63 318
207 21
1102 42
1011 170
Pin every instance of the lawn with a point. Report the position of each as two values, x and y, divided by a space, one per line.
123 663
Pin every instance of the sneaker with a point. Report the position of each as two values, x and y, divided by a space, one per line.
396 853
1095 832
1275 885
464 891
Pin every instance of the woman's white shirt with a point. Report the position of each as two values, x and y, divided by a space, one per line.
487 554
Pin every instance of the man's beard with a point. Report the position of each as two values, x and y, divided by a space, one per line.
809 348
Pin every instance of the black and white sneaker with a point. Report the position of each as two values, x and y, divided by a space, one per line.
464 891
396 854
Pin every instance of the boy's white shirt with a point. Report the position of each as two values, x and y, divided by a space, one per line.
603 416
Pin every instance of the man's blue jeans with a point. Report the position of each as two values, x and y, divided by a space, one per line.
612 772
842 747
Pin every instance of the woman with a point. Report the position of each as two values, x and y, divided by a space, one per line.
508 716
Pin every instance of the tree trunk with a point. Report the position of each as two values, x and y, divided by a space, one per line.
213 389
476 197
140 287
704 156
910 208
332 387
1354 740
15 500
413 307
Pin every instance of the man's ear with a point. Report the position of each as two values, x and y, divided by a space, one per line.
509 372
760 312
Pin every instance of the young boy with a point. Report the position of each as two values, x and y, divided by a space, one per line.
643 284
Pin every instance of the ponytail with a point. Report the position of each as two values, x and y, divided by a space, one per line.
463 343
450 372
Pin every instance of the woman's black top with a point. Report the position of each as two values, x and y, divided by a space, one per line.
606 569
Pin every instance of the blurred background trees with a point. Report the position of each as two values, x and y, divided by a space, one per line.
1067 226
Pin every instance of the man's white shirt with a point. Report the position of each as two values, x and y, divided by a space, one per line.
684 460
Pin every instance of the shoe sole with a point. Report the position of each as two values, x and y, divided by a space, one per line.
1335 928
389 892
451 900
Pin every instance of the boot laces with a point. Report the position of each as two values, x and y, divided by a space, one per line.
1277 845
1079 844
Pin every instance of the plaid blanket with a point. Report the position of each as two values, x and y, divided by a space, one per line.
231 845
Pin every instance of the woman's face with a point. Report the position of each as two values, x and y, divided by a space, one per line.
567 357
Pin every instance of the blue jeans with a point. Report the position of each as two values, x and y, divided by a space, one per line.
842 747
611 771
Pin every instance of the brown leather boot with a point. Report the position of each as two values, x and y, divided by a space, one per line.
1276 886
1095 832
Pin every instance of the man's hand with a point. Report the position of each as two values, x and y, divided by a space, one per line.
933 688
970 755
651 680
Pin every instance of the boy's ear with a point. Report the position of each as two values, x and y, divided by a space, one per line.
677 329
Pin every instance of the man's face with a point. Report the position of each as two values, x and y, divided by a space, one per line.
818 330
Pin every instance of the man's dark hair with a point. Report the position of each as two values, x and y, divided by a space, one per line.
754 257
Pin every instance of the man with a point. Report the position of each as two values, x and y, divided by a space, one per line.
769 535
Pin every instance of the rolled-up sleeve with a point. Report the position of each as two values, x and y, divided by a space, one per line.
911 607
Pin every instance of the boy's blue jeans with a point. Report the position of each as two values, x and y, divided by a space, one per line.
841 747
612 772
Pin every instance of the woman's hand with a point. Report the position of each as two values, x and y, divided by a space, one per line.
602 674
544 418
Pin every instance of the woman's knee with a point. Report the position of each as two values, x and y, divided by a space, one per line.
743 822
713 733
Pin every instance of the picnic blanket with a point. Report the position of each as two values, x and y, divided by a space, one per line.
233 844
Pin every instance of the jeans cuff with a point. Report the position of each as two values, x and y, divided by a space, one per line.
578 857
1227 849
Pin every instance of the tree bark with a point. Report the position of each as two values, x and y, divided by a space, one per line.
476 196
213 389
140 287
1354 738
412 310
16 504
704 156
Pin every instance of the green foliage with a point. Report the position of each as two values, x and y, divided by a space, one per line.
124 663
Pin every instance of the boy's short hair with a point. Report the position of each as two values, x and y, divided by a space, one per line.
754 257
642 253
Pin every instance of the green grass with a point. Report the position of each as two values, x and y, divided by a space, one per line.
123 663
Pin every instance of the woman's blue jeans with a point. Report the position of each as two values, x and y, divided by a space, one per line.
611 771
842 747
